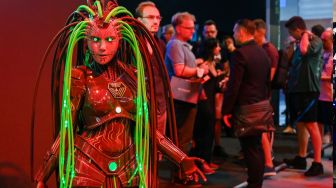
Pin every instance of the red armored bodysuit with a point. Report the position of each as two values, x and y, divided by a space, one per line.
104 154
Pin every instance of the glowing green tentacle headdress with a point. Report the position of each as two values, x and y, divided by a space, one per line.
66 158
66 150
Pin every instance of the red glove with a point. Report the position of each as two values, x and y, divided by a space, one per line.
190 172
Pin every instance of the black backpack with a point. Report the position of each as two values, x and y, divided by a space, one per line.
281 74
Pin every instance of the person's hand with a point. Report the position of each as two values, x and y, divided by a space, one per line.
190 171
41 184
219 72
199 72
205 66
223 83
231 47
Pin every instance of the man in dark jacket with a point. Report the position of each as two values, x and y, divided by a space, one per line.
149 15
248 84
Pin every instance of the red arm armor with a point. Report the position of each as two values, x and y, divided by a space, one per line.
173 152
169 149
50 161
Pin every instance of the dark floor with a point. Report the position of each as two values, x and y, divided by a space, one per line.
232 172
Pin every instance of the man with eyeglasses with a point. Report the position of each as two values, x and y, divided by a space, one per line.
149 15
181 62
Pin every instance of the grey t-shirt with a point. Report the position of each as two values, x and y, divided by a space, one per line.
305 71
178 52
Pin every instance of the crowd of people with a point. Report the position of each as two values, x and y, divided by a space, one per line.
245 71
123 125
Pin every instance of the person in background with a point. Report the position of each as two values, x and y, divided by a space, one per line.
147 13
210 32
181 62
247 85
325 108
334 98
290 45
317 29
167 33
272 52
205 118
303 89
229 45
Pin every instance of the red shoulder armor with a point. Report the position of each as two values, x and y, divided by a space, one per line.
78 73
78 79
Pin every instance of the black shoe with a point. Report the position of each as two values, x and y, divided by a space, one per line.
269 171
296 163
219 152
315 169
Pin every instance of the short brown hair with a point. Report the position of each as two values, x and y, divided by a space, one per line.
295 22
318 30
210 22
260 24
178 17
248 25
141 6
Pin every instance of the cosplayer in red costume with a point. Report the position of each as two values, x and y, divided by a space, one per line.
107 136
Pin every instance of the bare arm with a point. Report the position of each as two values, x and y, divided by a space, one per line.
304 43
183 71
272 73
212 68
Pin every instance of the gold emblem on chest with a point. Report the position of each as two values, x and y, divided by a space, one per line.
117 89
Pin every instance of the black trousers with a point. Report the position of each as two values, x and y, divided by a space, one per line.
254 159
204 131
185 114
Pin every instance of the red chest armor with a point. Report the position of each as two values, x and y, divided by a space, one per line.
105 99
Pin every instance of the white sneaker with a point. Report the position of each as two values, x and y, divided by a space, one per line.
289 130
